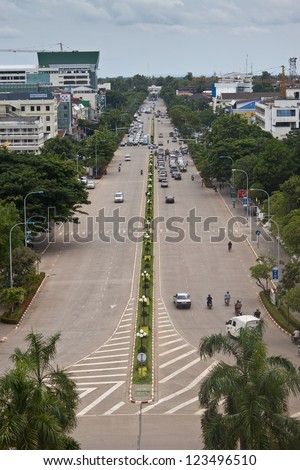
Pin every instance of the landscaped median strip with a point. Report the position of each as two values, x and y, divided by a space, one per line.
142 373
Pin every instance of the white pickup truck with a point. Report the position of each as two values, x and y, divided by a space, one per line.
182 300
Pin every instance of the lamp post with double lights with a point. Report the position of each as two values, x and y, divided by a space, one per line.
141 334
247 189
146 277
143 301
40 191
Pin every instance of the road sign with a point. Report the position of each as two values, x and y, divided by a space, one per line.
141 357
245 201
275 274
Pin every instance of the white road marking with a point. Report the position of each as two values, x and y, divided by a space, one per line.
171 342
114 408
178 371
101 398
178 358
181 391
174 349
182 405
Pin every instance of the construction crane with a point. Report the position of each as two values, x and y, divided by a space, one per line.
60 44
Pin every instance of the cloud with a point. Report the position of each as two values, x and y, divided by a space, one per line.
8 32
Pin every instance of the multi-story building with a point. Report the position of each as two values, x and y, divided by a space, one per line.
279 116
22 134
32 104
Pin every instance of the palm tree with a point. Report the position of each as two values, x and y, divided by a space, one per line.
246 404
37 401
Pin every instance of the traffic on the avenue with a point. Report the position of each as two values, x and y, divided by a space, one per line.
90 293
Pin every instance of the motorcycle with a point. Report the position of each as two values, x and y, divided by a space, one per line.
227 301
119 169
209 303
238 308
141 172
192 178
229 246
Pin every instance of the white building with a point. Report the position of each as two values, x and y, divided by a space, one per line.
22 134
231 83
279 116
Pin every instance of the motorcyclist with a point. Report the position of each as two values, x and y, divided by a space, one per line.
257 313
296 336
192 178
141 172
229 245
238 307
227 298
209 301
119 169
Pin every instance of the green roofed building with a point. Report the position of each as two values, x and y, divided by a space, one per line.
70 69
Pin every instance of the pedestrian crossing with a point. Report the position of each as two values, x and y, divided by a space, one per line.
103 377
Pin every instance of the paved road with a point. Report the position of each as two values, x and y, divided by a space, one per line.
90 295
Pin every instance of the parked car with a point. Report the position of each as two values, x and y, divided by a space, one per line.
119 197
182 300
90 184
170 199
83 179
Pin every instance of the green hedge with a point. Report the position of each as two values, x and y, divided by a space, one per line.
280 315
14 318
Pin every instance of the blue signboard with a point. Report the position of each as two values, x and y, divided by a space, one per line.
245 203
275 274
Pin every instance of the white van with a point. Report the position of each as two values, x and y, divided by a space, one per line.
234 325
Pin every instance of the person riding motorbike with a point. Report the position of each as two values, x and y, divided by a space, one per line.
295 337
257 313
209 301
119 169
229 245
192 178
227 298
238 307
141 172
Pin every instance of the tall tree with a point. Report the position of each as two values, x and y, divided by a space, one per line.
247 403
37 400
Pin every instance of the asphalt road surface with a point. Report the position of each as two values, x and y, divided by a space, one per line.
90 296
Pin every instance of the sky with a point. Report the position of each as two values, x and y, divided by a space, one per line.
156 37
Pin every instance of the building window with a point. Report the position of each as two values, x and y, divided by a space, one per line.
47 118
22 108
48 128
31 108
285 112
38 108
47 108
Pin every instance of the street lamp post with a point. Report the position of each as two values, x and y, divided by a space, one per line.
269 210
230 158
247 189
146 276
143 301
141 334
10 250
278 248
25 215
268 195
